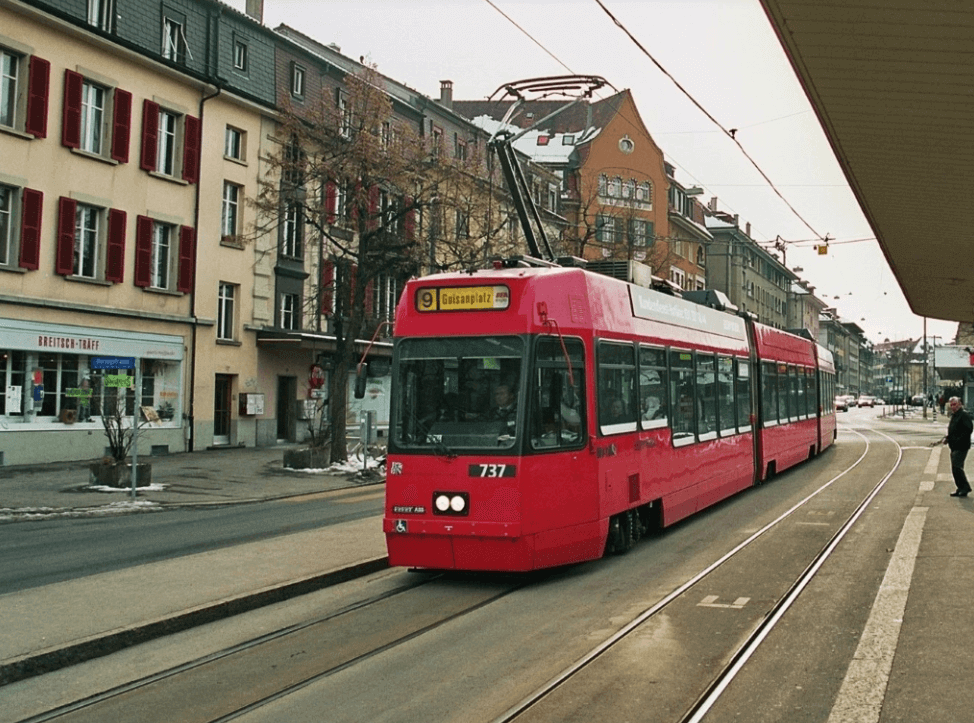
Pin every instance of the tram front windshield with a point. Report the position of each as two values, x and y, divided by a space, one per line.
458 393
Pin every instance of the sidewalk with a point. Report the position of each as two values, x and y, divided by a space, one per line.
224 476
49 627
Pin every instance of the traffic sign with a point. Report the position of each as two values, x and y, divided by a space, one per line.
113 362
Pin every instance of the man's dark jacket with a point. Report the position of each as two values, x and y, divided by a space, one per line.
959 430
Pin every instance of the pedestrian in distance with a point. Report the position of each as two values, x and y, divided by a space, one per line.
959 440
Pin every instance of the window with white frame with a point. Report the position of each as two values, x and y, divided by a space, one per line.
289 311
92 117
297 80
101 14
230 219
605 229
9 91
239 55
170 142
644 192
173 40
291 231
462 224
603 185
678 276
225 311
87 241
163 244
167 149
641 232
344 111
615 187
233 146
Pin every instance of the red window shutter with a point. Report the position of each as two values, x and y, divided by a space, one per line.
369 291
71 113
191 150
327 287
64 263
187 258
150 135
409 224
331 196
30 229
37 91
115 249
121 125
373 208
143 251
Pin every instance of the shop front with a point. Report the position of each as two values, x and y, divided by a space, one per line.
57 381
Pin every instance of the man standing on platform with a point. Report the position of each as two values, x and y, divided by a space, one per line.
959 440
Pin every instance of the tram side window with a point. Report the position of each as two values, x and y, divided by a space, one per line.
769 393
617 387
725 395
652 387
785 406
801 409
811 393
682 407
558 399
743 385
707 395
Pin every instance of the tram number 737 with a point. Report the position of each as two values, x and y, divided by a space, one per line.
492 470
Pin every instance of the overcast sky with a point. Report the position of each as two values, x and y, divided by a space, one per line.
725 55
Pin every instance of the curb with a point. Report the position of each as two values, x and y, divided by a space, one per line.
47 661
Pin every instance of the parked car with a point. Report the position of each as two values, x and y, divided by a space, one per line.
917 400
866 401
880 402
841 405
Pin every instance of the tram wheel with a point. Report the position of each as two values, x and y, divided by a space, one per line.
621 532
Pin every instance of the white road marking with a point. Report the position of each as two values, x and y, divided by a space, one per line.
711 602
932 463
860 698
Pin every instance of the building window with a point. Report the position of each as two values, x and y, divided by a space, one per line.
97 120
170 142
234 144
344 112
297 80
291 231
7 195
615 187
165 255
173 40
230 223
459 148
166 154
239 55
605 230
386 134
20 226
437 141
86 243
24 87
162 248
224 311
92 117
603 184
101 14
90 241
642 232
462 224
289 312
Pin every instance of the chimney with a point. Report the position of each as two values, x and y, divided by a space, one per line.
446 94
747 229
713 204
255 9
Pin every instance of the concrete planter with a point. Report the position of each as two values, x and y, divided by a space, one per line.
308 458
118 475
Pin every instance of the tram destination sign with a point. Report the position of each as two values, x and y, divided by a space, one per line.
463 298
113 362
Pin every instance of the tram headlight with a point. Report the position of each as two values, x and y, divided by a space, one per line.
451 503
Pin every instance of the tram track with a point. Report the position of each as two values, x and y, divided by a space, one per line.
239 681
522 711
157 694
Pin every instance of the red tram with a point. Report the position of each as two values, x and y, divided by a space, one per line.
634 409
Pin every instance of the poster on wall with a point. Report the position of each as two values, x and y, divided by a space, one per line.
15 400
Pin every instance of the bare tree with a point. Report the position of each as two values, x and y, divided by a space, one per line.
367 191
